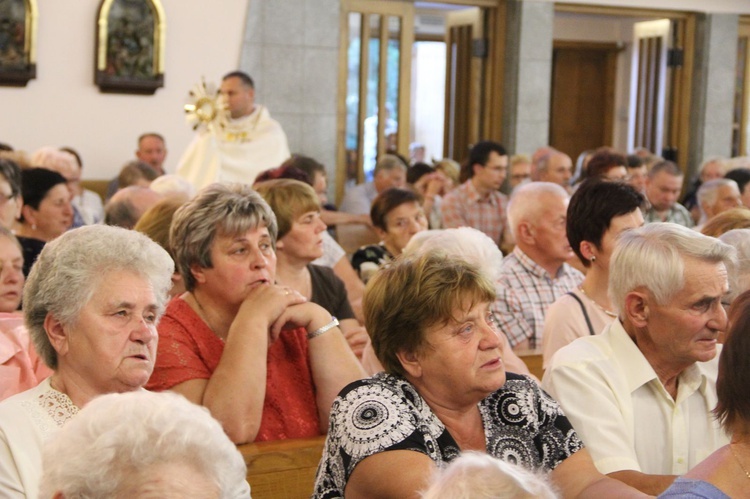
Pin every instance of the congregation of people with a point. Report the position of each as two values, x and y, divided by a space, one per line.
147 331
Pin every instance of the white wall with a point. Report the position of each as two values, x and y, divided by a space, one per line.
62 106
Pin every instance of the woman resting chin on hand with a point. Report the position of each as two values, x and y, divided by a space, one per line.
266 362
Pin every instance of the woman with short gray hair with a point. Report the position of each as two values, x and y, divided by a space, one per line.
91 303
264 360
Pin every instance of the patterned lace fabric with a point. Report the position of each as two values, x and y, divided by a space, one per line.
58 405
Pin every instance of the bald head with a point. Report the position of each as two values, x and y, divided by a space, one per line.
557 167
127 206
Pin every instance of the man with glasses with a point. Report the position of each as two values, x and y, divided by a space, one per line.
478 202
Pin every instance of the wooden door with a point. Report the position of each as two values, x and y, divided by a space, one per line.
463 84
583 100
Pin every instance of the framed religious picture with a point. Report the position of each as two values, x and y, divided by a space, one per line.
130 46
17 42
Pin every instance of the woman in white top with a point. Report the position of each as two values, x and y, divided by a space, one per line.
91 305
598 212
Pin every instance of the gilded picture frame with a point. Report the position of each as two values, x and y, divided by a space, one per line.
130 46
18 23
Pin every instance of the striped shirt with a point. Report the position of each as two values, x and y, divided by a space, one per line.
525 292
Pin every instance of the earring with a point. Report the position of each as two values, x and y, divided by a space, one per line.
33 226
593 259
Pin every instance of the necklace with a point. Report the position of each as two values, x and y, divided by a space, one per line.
738 460
608 312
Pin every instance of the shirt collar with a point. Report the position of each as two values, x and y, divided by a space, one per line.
639 371
534 268
473 194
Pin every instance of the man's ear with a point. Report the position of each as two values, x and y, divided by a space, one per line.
476 168
410 363
637 308
58 336
525 233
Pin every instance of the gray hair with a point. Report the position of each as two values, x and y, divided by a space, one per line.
720 160
388 162
116 441
708 192
525 203
70 268
471 245
481 476
223 209
739 280
653 257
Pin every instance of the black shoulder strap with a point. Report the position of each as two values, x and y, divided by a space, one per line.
585 314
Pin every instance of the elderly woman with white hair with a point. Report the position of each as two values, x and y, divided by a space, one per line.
91 304
143 444
480 476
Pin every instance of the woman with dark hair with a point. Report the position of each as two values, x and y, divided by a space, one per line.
46 213
725 473
598 212
397 215
607 164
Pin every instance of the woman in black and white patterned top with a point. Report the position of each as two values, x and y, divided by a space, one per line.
444 391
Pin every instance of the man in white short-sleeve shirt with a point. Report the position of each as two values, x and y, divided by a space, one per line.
640 394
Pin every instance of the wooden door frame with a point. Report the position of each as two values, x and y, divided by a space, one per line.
743 30
493 86
682 81
405 10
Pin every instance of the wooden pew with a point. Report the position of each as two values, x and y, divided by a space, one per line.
533 360
283 469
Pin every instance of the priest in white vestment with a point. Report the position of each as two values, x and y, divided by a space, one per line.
237 147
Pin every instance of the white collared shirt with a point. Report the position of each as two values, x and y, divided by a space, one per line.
623 413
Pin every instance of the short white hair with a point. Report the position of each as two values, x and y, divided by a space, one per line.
739 280
121 435
708 192
721 161
477 475
471 245
525 203
653 257
172 184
